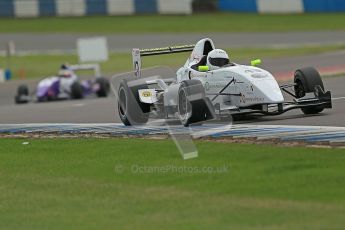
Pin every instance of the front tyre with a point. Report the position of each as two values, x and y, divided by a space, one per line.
22 94
131 110
306 80
193 107
184 107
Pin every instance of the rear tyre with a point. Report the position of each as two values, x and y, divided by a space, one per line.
22 94
131 110
77 91
306 79
104 87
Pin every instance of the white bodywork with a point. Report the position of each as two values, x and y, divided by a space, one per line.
64 84
252 85
148 96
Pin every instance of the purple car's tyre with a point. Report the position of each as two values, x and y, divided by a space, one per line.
306 79
22 94
104 87
77 91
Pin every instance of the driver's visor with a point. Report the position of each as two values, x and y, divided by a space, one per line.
219 61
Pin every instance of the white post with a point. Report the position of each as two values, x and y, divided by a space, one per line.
2 76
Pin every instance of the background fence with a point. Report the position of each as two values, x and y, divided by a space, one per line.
282 6
35 8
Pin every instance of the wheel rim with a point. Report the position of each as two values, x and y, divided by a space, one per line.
184 106
122 102
299 89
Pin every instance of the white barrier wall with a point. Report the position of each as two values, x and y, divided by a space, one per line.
26 8
120 7
70 7
280 6
174 7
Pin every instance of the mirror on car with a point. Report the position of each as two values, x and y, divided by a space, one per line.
255 62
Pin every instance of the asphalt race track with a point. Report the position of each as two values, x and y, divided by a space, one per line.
125 42
96 110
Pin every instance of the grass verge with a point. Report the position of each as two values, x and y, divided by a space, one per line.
217 22
39 66
131 183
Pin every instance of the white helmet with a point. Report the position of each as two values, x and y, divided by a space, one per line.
217 58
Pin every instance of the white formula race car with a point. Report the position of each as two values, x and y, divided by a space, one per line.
197 94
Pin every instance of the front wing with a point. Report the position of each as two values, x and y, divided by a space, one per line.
318 98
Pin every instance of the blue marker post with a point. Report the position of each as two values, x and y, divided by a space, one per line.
11 49
8 74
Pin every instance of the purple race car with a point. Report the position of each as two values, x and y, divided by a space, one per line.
66 85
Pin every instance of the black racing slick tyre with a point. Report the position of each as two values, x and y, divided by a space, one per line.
193 106
104 87
22 92
77 91
306 80
131 110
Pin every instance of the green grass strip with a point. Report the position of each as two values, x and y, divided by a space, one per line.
217 22
129 183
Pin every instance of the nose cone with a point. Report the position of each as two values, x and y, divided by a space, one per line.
271 90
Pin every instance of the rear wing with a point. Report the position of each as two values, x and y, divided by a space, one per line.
138 53
94 67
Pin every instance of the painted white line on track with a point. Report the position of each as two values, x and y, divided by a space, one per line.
78 105
337 98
